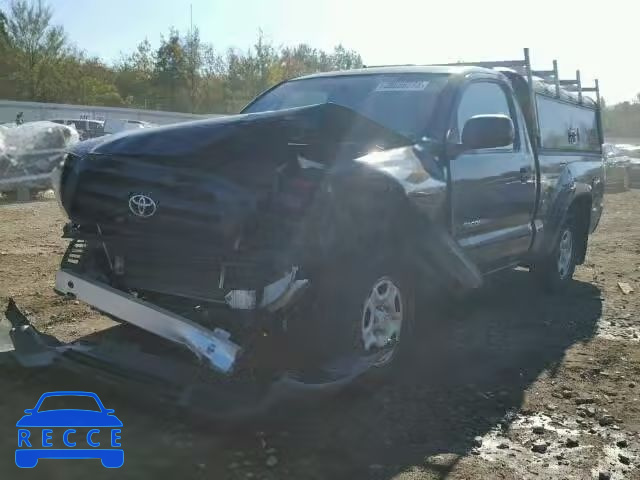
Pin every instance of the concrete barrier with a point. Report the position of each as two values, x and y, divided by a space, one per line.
46 111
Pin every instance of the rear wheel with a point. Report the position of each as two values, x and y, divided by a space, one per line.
556 271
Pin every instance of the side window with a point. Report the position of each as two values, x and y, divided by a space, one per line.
567 126
482 98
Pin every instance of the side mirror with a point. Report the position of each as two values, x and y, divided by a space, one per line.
29 411
487 131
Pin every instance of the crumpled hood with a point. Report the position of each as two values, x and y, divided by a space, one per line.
316 123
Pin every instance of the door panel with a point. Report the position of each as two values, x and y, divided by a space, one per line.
493 190
492 206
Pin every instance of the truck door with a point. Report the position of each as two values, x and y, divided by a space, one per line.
493 191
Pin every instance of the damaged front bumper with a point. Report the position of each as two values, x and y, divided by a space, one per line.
166 379
213 346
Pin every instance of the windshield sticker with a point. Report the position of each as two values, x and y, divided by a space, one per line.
401 86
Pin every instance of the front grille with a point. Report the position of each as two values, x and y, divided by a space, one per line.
187 270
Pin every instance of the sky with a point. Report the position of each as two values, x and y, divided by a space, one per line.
600 38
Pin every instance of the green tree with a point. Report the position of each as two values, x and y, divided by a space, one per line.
343 59
182 74
134 74
38 45
170 71
7 84
250 73
4 35
194 59
213 78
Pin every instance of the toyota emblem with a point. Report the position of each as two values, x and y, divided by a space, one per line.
142 205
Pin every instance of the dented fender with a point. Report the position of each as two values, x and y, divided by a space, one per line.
404 192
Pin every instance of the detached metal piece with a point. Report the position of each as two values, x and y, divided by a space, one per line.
214 346
274 296
168 380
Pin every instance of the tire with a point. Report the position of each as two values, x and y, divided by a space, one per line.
555 272
362 310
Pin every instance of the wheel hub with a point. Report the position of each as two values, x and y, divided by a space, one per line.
382 315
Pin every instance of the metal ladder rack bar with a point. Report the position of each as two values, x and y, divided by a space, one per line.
572 85
532 103
575 85
595 88
579 82
392 65
543 73
556 77
499 63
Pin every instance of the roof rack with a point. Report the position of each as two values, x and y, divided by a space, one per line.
524 67
551 76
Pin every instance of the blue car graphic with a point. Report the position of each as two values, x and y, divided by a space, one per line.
28 455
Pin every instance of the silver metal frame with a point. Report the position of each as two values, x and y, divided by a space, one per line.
214 346
572 85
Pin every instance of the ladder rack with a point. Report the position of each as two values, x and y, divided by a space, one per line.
550 76
524 67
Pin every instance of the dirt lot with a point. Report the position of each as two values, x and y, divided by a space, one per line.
507 384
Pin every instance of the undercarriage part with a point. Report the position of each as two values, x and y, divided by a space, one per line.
275 296
214 346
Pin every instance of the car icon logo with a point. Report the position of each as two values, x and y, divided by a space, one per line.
84 433
142 205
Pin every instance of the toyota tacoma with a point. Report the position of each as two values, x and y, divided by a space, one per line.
315 218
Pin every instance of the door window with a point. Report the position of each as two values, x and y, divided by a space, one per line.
483 98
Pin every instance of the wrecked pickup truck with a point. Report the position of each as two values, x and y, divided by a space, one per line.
319 214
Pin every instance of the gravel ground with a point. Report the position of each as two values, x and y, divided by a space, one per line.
509 383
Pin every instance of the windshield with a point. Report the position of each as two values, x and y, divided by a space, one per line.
401 102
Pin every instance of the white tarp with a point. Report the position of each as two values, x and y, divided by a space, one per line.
30 152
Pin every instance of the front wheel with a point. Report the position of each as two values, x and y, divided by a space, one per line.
556 271
362 312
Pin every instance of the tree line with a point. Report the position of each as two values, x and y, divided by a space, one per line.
622 119
38 62
184 74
